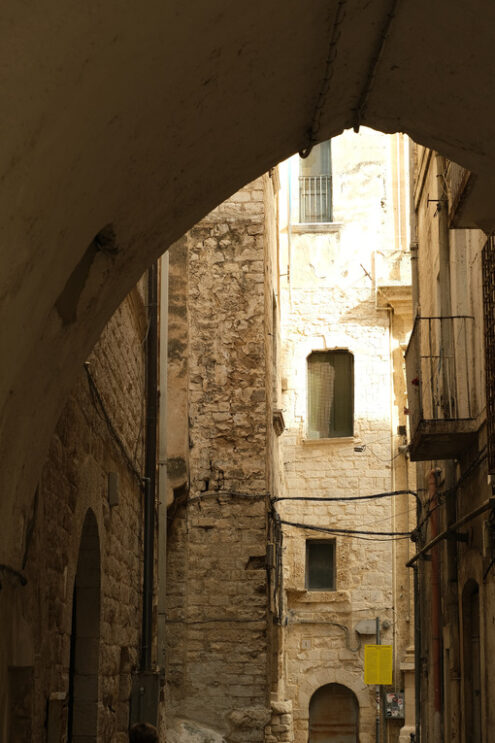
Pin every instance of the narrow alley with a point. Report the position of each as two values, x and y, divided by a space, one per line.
248 380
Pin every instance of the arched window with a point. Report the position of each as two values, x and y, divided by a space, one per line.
330 394
85 639
333 715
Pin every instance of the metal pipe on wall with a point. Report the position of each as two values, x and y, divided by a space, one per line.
162 460
436 624
417 650
150 467
413 246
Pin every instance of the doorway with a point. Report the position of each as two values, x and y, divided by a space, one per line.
333 715
82 725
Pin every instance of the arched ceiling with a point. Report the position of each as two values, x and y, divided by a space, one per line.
144 116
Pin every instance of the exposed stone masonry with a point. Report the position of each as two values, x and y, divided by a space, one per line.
218 619
74 479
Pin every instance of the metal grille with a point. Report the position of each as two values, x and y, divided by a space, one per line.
439 367
315 198
489 317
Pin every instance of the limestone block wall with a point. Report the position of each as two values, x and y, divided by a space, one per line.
454 287
346 287
218 619
36 618
320 645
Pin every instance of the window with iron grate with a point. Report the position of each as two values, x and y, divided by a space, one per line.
315 185
330 394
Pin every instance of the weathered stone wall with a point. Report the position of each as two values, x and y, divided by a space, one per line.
346 287
37 617
450 284
218 660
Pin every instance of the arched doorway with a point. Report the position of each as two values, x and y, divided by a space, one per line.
472 662
333 715
85 639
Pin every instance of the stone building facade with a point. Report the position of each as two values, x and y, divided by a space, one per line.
450 364
71 620
252 293
221 471
346 297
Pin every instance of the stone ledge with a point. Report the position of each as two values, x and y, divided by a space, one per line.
316 227
333 441
318 597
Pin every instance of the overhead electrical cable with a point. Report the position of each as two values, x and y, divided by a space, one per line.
358 533
345 498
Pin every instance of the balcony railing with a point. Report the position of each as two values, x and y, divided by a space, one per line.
439 366
315 198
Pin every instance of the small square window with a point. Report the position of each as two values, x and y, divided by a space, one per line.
320 565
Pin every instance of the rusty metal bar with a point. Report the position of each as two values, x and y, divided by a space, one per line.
490 503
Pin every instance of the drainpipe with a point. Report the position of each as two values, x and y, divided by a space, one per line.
377 689
289 229
435 610
162 462
417 651
445 308
450 575
413 247
150 468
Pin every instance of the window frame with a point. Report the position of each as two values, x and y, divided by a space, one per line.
344 433
316 187
332 543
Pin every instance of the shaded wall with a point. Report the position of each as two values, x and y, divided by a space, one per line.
37 619
219 469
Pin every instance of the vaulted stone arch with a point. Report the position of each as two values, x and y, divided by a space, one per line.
122 126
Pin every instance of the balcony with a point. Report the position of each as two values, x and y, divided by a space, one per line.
439 368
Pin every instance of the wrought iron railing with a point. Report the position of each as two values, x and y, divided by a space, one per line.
315 198
439 366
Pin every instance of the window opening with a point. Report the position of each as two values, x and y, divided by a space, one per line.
315 185
320 565
330 394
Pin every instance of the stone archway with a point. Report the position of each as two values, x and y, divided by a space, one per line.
83 694
333 715
116 140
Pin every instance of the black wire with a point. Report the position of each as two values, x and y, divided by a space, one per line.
14 573
485 574
482 455
347 498
100 407
359 534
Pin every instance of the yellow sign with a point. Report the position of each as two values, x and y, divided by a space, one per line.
378 661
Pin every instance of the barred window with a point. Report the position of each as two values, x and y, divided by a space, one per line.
330 394
315 185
